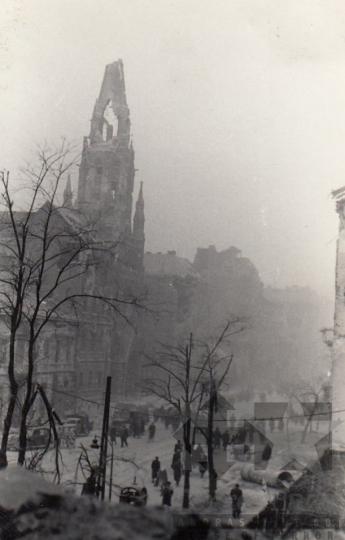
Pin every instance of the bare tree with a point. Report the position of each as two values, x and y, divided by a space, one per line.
182 376
215 366
309 399
176 382
50 253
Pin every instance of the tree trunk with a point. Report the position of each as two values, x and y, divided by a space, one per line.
187 459
13 397
27 403
212 490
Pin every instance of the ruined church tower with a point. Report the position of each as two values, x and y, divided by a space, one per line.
106 175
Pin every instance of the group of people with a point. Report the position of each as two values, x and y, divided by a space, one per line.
137 424
167 416
160 479
225 438
123 433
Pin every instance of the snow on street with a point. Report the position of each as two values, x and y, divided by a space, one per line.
141 453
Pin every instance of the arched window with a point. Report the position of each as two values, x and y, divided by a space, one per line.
99 379
81 382
90 379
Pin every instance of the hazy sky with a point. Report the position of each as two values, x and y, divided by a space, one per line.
237 109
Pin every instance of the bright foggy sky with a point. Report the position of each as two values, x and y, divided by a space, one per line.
237 109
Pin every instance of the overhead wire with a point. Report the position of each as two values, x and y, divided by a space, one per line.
311 415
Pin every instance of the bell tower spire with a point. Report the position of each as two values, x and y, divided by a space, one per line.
106 173
139 227
67 194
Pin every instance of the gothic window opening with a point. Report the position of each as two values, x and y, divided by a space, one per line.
81 382
90 379
110 122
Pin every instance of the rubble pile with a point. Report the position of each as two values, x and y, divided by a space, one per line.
34 509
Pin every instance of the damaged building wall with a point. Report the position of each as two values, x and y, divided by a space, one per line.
338 353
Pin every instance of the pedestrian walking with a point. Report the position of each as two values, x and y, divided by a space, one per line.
124 436
225 439
232 420
167 494
236 495
178 446
152 431
217 438
162 478
176 457
197 454
155 467
281 425
266 453
177 468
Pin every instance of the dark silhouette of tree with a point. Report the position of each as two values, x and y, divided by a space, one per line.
48 251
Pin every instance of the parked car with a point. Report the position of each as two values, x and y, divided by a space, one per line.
39 438
134 496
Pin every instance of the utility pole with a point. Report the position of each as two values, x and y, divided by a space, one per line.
104 441
111 471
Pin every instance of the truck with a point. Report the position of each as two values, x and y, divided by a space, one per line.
81 422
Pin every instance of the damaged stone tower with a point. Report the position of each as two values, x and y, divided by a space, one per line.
105 191
106 177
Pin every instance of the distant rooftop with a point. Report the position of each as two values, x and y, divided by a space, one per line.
168 264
